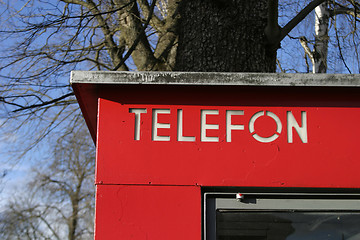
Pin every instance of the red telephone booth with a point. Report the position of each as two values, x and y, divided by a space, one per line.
224 155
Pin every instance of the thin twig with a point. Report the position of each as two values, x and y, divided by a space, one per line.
340 51
21 108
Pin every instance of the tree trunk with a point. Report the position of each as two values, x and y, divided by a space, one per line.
223 36
321 38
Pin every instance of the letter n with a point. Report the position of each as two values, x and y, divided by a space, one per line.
292 123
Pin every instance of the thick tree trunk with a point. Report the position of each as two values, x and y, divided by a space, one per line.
223 36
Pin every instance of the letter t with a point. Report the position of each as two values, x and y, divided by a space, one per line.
138 112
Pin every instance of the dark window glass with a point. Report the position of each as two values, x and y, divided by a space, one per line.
289 225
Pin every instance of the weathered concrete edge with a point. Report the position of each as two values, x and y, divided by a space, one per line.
205 78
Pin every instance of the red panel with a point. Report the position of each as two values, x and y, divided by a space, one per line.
148 212
328 159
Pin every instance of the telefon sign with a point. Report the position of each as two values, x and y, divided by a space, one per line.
291 125
201 129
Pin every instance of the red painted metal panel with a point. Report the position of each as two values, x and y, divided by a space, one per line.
328 158
86 95
148 212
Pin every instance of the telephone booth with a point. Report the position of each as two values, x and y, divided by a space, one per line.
224 155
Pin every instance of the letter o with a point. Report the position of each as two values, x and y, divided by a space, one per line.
265 139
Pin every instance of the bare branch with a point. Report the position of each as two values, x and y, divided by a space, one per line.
146 9
272 29
308 52
137 40
340 51
55 100
348 11
299 17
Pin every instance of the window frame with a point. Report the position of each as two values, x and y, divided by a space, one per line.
250 201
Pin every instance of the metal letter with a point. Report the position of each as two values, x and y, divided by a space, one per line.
230 126
292 123
138 112
156 125
205 126
180 128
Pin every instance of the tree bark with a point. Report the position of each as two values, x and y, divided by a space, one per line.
132 29
223 36
321 38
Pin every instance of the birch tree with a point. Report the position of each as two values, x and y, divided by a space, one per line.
322 15
327 17
318 55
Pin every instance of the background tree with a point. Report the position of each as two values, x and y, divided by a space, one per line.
42 41
58 203
220 35
330 39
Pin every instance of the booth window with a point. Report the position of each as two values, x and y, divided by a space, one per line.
280 217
